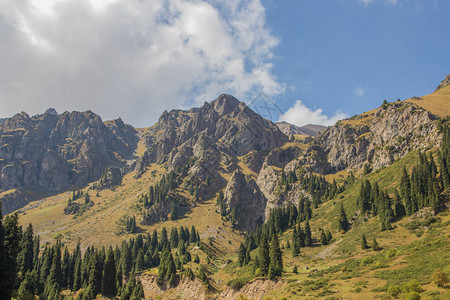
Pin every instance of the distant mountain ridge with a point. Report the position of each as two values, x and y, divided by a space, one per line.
291 129
53 152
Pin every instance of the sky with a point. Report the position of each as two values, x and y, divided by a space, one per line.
310 61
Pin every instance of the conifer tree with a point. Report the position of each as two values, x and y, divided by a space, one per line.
364 242
193 235
375 246
77 275
343 223
276 261
323 238
263 255
139 263
301 236
329 237
164 241
109 275
55 270
11 237
126 259
399 208
241 255
173 237
308 236
26 255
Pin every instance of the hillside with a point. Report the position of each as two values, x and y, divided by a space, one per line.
247 189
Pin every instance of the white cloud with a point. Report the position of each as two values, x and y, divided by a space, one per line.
301 115
359 91
132 58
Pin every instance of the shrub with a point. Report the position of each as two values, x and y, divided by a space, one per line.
412 296
412 286
366 261
440 278
237 283
394 290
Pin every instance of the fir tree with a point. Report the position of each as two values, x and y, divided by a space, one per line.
241 255
308 236
343 223
173 237
109 275
375 246
126 259
364 242
329 237
323 238
276 261
263 255
26 255
399 208
8 269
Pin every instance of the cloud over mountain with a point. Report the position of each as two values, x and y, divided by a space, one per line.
132 58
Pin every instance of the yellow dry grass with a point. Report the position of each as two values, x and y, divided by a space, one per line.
437 103
362 119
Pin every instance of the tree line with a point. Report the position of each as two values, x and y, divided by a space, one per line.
26 270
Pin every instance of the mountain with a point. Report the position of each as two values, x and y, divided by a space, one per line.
52 152
239 178
309 130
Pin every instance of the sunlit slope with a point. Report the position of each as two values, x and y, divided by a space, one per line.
98 225
437 103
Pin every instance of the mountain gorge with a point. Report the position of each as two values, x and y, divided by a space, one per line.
233 174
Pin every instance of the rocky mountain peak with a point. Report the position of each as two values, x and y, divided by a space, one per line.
444 82
51 111
225 104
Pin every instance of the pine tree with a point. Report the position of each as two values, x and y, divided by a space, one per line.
173 237
364 242
399 208
109 275
163 241
263 255
405 189
55 270
139 262
77 275
173 212
343 223
126 259
323 238
276 261
329 237
308 236
241 255
375 246
8 269
193 235
26 255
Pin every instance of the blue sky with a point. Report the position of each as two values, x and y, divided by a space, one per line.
318 60
351 55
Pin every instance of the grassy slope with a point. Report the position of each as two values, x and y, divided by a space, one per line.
336 270
438 102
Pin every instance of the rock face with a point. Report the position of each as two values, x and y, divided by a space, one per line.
389 133
229 125
51 152
12 200
111 177
444 82
290 129
245 202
